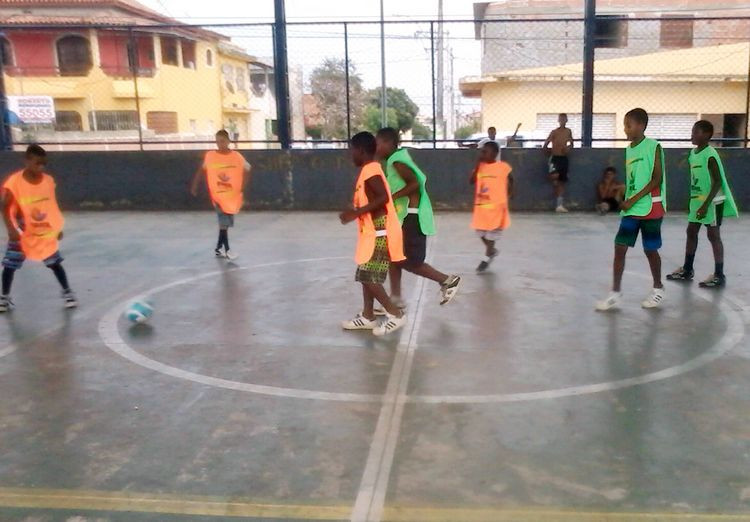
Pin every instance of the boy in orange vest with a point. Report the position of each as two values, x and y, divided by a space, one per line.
494 185
34 223
227 173
380 240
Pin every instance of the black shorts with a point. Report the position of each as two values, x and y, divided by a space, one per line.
614 205
559 165
415 242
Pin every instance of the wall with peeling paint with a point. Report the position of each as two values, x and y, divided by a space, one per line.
323 179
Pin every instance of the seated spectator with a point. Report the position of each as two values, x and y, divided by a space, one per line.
609 192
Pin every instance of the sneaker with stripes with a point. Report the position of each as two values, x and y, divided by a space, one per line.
359 322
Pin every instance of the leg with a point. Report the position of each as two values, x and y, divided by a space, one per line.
394 274
654 262
714 236
223 238
651 237
8 274
428 272
367 308
60 275
618 267
377 291
691 245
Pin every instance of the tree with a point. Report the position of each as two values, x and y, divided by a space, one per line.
467 130
328 87
396 99
373 118
420 131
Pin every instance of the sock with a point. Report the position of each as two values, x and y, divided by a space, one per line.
8 274
559 201
223 240
719 269
688 266
61 276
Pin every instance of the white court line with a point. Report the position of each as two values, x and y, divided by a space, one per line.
368 506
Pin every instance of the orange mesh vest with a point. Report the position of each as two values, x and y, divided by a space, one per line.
367 232
42 220
491 197
224 176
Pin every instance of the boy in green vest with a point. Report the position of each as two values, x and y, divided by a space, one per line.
406 182
643 209
710 201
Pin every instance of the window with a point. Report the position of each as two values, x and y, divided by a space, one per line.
676 34
113 120
6 52
227 72
68 121
169 51
73 56
610 32
188 54
209 58
240 79
162 122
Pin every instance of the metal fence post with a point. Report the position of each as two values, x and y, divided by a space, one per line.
747 100
432 64
346 76
6 138
589 48
134 68
281 78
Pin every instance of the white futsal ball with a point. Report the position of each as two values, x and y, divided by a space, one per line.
139 311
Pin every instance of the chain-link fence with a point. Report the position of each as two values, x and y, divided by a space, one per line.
446 82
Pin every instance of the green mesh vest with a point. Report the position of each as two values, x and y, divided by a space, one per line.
396 183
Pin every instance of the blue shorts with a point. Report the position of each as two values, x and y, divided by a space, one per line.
14 257
225 220
650 230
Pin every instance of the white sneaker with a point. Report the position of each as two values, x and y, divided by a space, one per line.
6 304
231 256
654 299
359 322
612 300
561 209
449 289
69 299
391 324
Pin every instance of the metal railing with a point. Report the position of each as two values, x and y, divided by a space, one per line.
446 81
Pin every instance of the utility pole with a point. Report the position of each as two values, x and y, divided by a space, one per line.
440 73
281 75
6 140
589 50
383 108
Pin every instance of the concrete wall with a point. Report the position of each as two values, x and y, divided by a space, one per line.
324 179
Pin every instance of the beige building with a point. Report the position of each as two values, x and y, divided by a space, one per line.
676 87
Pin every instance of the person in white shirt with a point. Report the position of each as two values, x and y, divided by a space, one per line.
491 134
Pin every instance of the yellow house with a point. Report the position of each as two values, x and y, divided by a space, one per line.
173 83
676 88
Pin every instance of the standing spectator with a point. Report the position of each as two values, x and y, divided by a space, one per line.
609 192
491 137
561 140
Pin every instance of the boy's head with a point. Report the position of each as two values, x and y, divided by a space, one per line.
222 140
35 159
636 121
609 173
363 146
387 140
562 119
492 132
703 131
489 152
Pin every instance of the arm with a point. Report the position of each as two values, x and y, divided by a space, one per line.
7 201
651 185
196 179
545 147
602 191
378 200
248 176
412 184
570 143
713 169
473 177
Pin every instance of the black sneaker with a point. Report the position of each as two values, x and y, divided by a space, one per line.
681 275
69 299
714 281
448 289
219 253
6 305
487 260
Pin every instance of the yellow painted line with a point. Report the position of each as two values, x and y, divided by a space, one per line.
123 501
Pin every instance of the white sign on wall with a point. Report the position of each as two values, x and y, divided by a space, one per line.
31 109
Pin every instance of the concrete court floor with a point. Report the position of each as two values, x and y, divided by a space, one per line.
243 399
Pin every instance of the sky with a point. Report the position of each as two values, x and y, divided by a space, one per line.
408 60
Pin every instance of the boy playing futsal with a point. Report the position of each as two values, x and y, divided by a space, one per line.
34 224
711 200
561 140
379 243
227 173
406 182
494 185
643 209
